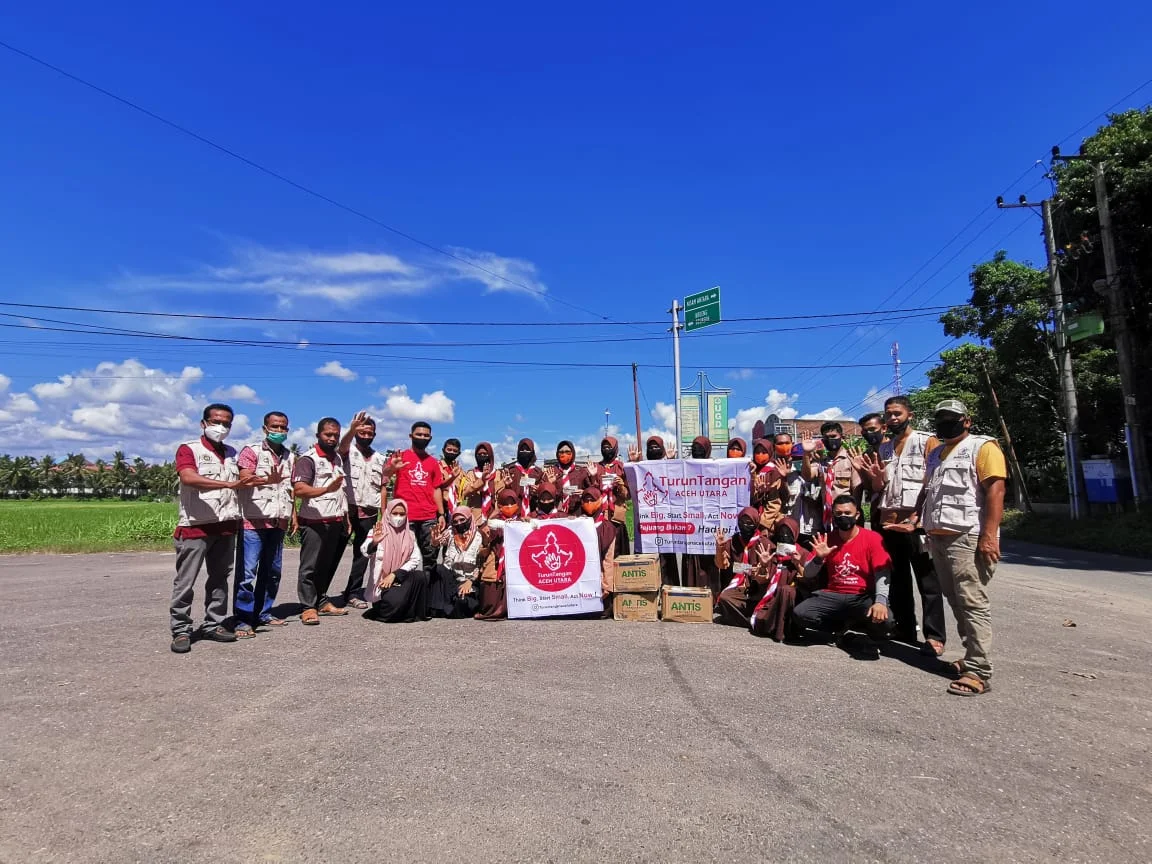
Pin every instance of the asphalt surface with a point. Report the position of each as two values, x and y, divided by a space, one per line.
565 740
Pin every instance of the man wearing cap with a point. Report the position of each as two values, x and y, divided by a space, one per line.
960 508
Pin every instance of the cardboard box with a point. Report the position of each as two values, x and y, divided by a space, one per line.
686 605
636 574
636 607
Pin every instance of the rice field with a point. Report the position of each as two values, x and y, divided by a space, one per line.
85 526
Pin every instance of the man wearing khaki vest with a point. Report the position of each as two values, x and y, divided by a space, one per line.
960 508
318 482
365 473
206 529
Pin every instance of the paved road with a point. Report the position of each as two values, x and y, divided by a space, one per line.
565 741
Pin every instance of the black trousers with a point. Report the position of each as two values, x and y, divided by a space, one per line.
405 601
908 559
425 531
828 612
361 530
321 548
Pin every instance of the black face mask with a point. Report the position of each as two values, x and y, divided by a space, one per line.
525 458
461 527
545 506
483 459
450 458
654 451
365 443
833 444
896 428
783 536
875 438
420 444
607 452
946 429
844 522
746 530
697 451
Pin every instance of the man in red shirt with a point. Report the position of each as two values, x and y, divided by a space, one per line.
855 571
419 484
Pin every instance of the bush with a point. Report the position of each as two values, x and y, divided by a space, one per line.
1120 534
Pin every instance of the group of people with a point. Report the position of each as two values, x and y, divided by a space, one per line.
427 534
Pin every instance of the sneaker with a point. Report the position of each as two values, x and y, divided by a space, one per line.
218 634
181 643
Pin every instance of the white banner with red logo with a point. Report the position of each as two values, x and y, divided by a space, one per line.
552 569
681 503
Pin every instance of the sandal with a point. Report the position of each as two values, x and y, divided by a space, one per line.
243 631
932 648
328 610
357 603
275 622
969 685
309 616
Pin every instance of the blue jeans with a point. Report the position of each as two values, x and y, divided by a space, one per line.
261 552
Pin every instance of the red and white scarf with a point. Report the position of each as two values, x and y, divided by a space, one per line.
608 487
740 578
486 496
829 493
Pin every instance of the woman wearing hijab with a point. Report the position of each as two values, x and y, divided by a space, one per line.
738 558
493 597
396 584
772 616
654 449
769 486
464 553
592 506
478 491
700 570
737 448
548 500
569 478
608 474
524 475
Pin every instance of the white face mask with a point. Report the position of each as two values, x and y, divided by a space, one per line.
216 432
398 521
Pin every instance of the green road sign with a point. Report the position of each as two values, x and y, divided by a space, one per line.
702 310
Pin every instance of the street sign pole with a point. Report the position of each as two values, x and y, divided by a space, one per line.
676 365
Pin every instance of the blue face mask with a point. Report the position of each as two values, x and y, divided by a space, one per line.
277 437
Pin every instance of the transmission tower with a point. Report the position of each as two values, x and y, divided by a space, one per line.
897 383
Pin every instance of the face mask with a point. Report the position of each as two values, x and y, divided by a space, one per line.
896 427
565 459
329 449
524 458
761 458
545 506
783 537
420 444
508 511
785 551
697 451
608 452
365 443
783 450
461 527
875 438
844 522
216 432
482 459
654 451
277 437
450 458
946 429
832 444
397 521
735 453
591 508
746 530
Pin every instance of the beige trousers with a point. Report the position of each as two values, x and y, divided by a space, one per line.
964 578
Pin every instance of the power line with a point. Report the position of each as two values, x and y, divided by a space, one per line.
327 199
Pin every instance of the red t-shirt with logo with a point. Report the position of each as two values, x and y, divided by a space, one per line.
853 567
415 483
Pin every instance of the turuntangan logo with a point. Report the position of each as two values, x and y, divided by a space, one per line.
652 493
552 558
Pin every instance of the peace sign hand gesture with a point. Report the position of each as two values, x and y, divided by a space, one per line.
820 547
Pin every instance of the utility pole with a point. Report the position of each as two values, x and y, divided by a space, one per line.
1117 316
676 327
1063 358
897 381
636 403
607 413
1113 290
1023 501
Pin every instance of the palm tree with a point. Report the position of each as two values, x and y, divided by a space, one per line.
75 473
46 476
139 476
120 474
100 479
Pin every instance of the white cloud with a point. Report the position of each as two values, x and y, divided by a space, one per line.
665 415
237 393
433 407
834 413
5 381
336 369
303 343
742 374
500 273
874 400
776 402
21 403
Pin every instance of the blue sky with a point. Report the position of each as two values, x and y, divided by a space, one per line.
808 160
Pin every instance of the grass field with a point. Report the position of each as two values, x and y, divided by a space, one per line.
85 526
